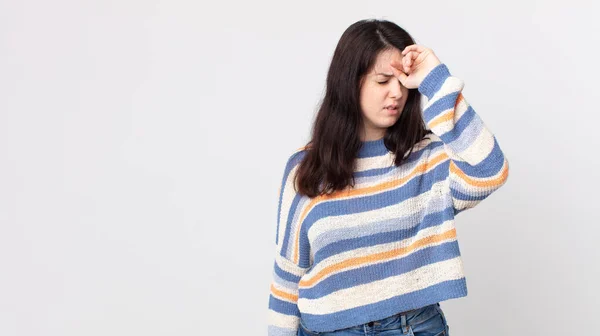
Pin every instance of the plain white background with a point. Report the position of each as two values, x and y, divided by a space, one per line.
142 144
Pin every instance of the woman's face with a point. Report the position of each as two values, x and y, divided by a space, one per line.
380 92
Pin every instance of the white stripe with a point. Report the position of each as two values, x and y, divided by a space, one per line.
280 282
398 172
407 206
451 85
384 289
303 203
286 202
285 290
461 185
448 125
375 162
405 221
281 320
481 147
382 248
462 204
289 266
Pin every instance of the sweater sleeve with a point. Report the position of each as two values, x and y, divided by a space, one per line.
291 259
477 165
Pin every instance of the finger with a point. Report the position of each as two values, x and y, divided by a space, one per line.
397 68
400 65
413 47
412 55
402 78
408 59
396 65
406 63
395 71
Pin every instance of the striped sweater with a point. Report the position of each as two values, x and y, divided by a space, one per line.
389 243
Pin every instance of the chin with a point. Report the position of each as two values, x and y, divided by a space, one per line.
388 123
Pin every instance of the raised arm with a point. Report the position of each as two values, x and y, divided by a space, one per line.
477 166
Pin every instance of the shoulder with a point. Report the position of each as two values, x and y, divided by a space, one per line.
293 161
296 156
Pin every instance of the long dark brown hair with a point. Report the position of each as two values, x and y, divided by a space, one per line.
328 165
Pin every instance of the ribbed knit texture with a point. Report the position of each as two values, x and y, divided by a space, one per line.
388 244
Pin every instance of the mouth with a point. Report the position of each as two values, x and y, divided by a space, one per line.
392 107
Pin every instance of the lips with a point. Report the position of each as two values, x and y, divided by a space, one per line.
392 107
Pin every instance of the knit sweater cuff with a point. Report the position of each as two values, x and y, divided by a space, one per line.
434 80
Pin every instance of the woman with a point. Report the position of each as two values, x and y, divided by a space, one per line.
365 241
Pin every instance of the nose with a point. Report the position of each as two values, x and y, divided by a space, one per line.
395 90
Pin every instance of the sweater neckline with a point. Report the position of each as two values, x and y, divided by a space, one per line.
372 148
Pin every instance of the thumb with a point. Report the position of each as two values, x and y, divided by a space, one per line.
397 69
402 77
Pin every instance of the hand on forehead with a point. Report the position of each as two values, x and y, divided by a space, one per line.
384 60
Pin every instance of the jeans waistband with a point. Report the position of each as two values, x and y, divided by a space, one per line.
401 314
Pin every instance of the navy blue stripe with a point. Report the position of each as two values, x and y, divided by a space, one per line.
440 105
416 186
414 156
372 148
288 226
337 247
490 166
371 273
464 197
459 127
293 160
372 312
286 275
374 172
283 307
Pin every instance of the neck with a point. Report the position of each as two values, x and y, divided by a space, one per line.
372 134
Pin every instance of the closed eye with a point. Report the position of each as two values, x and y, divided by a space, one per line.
388 81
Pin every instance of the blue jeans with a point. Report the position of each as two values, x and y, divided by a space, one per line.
425 321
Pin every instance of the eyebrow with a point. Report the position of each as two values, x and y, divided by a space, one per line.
384 74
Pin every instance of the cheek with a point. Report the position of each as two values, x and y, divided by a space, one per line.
379 98
380 94
372 97
405 94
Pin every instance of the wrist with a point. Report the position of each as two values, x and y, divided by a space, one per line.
434 80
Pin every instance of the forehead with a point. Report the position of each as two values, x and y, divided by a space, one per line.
382 62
